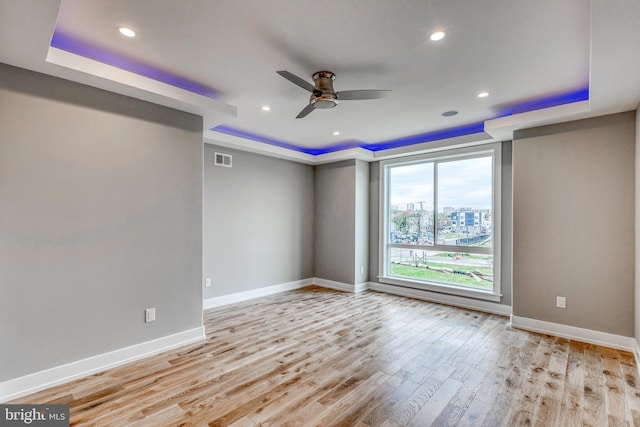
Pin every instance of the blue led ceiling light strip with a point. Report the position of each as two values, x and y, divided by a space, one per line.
228 130
402 142
547 101
72 45
555 100
428 137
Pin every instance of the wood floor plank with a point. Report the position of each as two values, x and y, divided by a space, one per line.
632 388
381 413
595 413
573 394
475 414
269 413
523 410
434 406
618 412
336 413
460 403
316 357
406 412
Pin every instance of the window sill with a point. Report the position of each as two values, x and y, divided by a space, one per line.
442 288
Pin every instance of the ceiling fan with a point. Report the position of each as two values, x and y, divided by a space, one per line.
323 95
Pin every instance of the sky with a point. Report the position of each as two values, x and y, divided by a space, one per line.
461 183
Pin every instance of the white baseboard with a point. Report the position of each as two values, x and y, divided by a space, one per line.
255 293
340 286
283 287
573 332
361 287
480 305
22 386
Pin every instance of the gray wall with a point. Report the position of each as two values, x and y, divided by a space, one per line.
637 224
361 267
574 223
374 221
100 218
507 218
506 240
335 229
258 222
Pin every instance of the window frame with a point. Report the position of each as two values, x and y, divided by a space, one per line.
493 150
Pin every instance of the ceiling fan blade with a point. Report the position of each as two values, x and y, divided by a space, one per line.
306 110
353 95
297 80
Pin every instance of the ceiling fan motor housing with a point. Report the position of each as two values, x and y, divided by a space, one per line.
325 96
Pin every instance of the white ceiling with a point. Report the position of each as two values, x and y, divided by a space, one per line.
520 51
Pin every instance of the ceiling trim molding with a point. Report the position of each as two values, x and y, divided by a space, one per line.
168 90
242 144
238 143
70 44
493 130
94 73
502 128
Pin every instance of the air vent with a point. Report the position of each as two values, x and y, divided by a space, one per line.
222 160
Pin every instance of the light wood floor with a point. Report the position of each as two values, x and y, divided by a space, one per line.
322 358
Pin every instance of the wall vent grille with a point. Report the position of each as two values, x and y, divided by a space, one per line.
220 159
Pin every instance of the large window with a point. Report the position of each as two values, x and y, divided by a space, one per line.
441 222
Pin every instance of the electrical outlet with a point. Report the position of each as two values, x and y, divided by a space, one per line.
561 302
362 269
150 315
207 282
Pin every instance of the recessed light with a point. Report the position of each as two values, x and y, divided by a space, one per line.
266 108
450 113
336 133
127 32
483 94
437 35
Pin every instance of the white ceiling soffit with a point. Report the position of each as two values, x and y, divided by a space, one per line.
26 43
238 46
